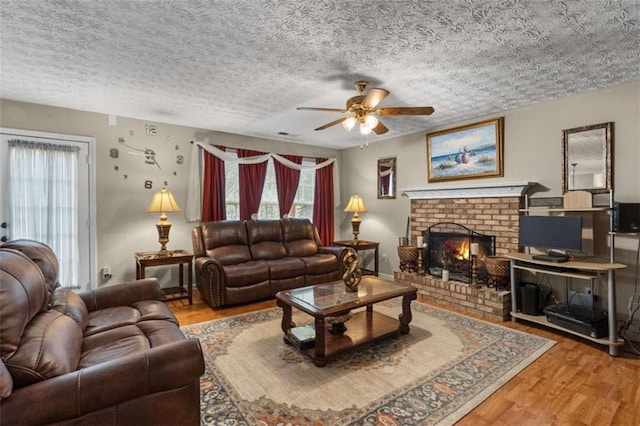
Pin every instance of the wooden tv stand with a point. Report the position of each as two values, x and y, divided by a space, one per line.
587 269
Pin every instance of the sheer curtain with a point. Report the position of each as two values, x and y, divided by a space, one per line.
43 200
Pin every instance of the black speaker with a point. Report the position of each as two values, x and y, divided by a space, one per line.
532 299
626 217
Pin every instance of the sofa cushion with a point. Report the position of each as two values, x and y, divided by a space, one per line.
127 340
321 264
22 295
110 318
246 274
50 346
226 241
265 239
287 267
67 302
111 344
299 237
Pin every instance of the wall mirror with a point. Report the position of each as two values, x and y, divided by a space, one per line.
588 162
387 178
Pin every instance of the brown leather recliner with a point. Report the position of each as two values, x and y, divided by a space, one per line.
114 355
246 261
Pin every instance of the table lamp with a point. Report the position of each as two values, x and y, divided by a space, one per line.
355 205
163 202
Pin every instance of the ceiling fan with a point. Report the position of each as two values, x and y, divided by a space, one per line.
362 108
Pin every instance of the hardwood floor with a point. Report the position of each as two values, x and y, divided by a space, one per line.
574 383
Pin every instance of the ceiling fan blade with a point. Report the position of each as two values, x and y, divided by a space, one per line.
321 109
333 123
374 97
380 129
406 111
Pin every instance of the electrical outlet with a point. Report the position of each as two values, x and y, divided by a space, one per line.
106 272
384 257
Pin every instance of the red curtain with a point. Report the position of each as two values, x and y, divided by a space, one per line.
323 217
287 183
251 182
213 188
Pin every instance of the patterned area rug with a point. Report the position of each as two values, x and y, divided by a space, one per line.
437 373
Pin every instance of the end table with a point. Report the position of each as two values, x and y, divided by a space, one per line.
170 257
359 245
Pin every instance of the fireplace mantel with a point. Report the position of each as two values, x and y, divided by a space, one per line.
502 189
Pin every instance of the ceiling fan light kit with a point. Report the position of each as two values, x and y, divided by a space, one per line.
364 109
349 123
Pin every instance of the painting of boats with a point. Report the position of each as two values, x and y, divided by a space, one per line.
466 152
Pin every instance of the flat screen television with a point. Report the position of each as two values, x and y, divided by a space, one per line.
551 232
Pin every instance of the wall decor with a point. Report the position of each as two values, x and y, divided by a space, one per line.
151 130
587 158
138 150
387 178
148 153
466 152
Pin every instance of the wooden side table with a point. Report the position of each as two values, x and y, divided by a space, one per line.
360 245
171 257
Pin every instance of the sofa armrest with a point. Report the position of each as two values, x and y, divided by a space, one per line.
339 252
104 385
122 294
211 281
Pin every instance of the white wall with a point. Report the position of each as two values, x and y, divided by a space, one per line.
532 152
123 226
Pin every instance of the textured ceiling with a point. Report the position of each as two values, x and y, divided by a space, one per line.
244 66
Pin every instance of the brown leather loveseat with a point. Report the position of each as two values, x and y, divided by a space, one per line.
245 261
113 356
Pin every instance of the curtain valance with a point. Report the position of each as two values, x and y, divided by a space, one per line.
194 181
231 158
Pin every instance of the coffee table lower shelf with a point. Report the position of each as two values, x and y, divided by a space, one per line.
363 327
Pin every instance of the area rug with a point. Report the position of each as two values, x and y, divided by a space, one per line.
441 370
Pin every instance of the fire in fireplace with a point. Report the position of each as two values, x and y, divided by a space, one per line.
448 247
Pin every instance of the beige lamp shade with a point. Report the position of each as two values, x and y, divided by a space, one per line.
163 202
356 205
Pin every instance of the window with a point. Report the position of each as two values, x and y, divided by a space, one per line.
232 190
302 206
269 202
47 196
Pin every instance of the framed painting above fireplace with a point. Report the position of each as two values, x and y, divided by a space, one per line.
466 152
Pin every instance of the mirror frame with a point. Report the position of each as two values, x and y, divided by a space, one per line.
393 181
608 157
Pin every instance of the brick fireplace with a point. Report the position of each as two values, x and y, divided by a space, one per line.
488 209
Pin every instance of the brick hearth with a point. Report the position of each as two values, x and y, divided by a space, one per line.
486 302
492 215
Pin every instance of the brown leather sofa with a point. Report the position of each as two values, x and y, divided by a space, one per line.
245 261
113 356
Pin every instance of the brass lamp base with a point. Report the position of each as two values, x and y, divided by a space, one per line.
355 225
163 228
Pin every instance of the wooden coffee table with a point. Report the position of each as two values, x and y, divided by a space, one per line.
330 300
